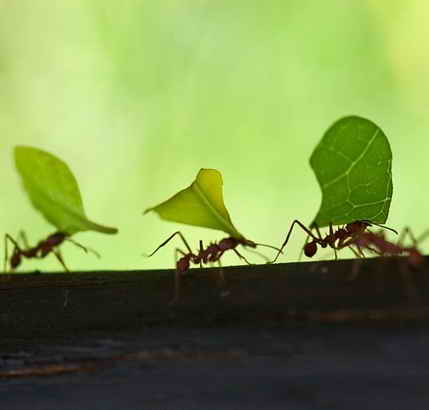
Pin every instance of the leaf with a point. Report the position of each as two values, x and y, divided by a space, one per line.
353 165
53 190
201 204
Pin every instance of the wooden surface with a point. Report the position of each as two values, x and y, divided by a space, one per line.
54 304
299 336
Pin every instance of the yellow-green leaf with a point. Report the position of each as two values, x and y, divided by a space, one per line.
53 190
201 204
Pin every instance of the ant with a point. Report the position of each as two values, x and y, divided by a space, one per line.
212 253
378 244
336 239
39 251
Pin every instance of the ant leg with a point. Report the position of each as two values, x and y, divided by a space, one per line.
222 281
201 252
303 227
239 255
331 234
177 276
423 236
332 244
57 254
7 239
307 238
23 236
84 248
319 234
408 232
267 260
314 226
357 252
168 240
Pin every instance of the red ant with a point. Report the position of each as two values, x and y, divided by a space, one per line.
211 254
334 239
378 244
40 251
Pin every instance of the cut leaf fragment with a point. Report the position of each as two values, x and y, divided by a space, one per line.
201 204
53 190
353 165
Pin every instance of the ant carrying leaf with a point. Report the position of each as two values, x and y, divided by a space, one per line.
53 190
336 239
201 204
352 164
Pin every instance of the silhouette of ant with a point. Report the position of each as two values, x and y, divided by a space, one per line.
335 239
39 251
212 253
378 244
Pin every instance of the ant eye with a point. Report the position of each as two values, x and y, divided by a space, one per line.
310 249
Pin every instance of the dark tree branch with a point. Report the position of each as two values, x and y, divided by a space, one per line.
384 289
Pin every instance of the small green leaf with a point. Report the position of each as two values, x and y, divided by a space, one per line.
200 204
353 165
53 191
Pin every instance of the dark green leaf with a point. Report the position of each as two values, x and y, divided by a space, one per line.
353 164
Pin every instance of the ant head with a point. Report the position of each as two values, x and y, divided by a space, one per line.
229 243
310 249
15 259
55 239
182 265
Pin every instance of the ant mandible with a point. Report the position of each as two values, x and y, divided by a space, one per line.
212 253
39 251
336 239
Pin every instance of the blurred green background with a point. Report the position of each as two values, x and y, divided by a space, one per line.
137 96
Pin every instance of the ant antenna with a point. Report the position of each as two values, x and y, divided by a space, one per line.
268 246
168 240
241 256
267 260
381 226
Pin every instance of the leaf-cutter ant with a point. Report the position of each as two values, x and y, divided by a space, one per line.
212 253
39 251
335 239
